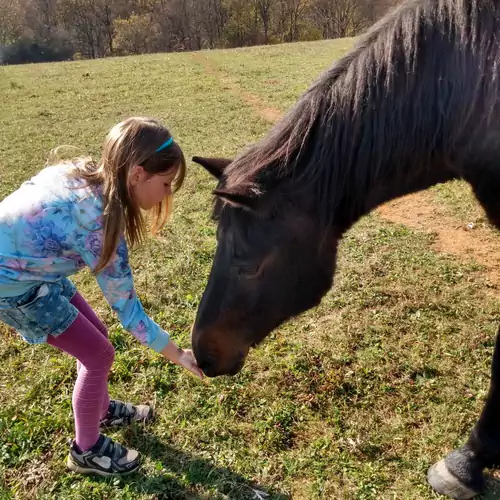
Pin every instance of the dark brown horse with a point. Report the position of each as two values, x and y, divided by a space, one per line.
416 103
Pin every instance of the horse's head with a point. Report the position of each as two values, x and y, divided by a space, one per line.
271 263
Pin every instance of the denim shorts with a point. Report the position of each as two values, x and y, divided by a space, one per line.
43 310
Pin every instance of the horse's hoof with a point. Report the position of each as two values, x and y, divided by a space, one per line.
445 483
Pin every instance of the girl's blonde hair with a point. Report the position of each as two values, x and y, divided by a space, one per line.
132 142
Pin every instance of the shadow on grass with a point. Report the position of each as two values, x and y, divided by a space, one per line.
492 491
180 475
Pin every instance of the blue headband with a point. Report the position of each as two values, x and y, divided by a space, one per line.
165 145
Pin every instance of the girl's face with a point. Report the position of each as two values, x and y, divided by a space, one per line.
148 189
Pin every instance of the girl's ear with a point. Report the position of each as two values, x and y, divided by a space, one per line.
136 174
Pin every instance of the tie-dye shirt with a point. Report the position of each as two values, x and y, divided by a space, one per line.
50 228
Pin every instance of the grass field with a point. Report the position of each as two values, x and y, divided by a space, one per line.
353 400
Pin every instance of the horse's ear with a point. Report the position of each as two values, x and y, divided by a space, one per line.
214 166
237 198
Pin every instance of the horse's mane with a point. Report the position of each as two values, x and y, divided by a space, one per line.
412 88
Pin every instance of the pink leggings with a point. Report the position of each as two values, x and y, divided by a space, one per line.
86 339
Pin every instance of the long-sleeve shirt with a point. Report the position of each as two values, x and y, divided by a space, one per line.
50 228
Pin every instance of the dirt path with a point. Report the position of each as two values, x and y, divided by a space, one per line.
272 115
418 211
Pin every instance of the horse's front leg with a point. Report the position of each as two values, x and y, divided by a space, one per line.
460 474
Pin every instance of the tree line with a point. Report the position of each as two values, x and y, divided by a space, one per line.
54 30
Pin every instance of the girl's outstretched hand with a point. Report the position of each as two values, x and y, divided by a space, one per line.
182 357
188 361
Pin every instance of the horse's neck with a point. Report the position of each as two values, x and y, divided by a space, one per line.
397 187
389 187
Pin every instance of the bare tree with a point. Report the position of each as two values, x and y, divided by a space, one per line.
264 8
135 35
40 19
339 18
92 25
291 16
11 21
95 27
214 16
242 28
108 17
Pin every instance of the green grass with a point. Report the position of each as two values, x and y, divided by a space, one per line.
278 74
457 200
354 400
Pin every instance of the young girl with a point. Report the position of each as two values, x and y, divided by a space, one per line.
80 214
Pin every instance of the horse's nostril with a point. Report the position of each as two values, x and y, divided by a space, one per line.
206 364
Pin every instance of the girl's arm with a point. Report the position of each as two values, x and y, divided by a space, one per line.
117 285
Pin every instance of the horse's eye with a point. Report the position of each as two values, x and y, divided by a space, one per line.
247 270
